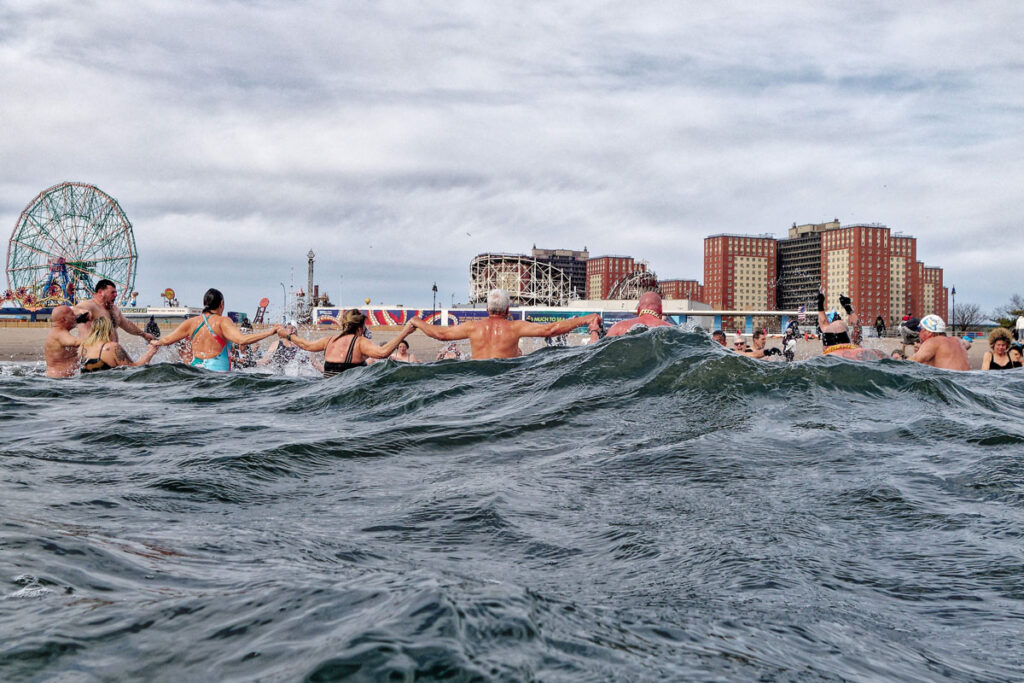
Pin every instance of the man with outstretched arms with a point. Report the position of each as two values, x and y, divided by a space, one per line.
497 336
60 348
648 314
101 305
938 350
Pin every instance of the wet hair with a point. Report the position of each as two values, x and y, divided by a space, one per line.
758 334
102 331
103 284
212 300
718 336
352 321
999 334
497 301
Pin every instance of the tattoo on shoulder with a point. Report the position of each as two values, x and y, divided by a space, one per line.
121 355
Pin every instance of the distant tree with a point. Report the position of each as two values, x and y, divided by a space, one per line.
966 316
1006 315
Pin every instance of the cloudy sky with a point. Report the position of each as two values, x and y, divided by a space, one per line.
400 139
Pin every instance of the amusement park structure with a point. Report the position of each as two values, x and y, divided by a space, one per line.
634 284
529 281
68 238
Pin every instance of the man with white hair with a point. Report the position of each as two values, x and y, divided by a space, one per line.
496 336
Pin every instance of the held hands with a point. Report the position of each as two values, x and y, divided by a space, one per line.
596 324
281 332
147 336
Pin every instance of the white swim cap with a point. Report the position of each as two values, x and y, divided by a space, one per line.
933 324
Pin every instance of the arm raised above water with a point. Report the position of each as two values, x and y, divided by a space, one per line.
528 329
460 331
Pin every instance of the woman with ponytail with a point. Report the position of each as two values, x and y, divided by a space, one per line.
212 334
351 348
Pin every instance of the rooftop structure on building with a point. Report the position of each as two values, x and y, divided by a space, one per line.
571 262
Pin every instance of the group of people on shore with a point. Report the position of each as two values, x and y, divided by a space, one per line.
211 335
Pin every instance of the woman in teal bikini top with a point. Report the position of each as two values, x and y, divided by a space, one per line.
212 324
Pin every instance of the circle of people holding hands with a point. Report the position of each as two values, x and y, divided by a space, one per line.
214 342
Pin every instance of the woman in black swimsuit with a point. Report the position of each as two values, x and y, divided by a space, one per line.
99 351
350 349
998 358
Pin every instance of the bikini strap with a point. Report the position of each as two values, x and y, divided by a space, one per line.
206 321
351 348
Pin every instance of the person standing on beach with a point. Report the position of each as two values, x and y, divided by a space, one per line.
497 336
61 348
938 350
101 305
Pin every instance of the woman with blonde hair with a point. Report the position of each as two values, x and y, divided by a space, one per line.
998 358
351 348
99 351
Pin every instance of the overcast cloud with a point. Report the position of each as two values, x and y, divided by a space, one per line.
400 139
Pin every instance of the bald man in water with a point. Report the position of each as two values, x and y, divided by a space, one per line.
648 314
496 336
60 348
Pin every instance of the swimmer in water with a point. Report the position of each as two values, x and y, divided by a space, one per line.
497 336
648 315
61 348
938 350
719 337
349 349
100 350
835 333
102 305
211 335
999 340
402 353
758 350
281 351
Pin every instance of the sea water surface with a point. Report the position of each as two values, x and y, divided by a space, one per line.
648 508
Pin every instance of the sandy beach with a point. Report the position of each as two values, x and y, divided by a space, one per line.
24 342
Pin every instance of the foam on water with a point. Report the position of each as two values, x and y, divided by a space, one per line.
650 507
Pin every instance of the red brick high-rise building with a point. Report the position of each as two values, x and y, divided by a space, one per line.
681 289
904 279
855 260
934 295
740 272
603 272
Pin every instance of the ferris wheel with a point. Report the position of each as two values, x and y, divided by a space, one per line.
66 240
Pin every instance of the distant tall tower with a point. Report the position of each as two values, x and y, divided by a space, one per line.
309 288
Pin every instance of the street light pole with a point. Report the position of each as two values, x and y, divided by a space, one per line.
284 304
433 308
953 312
